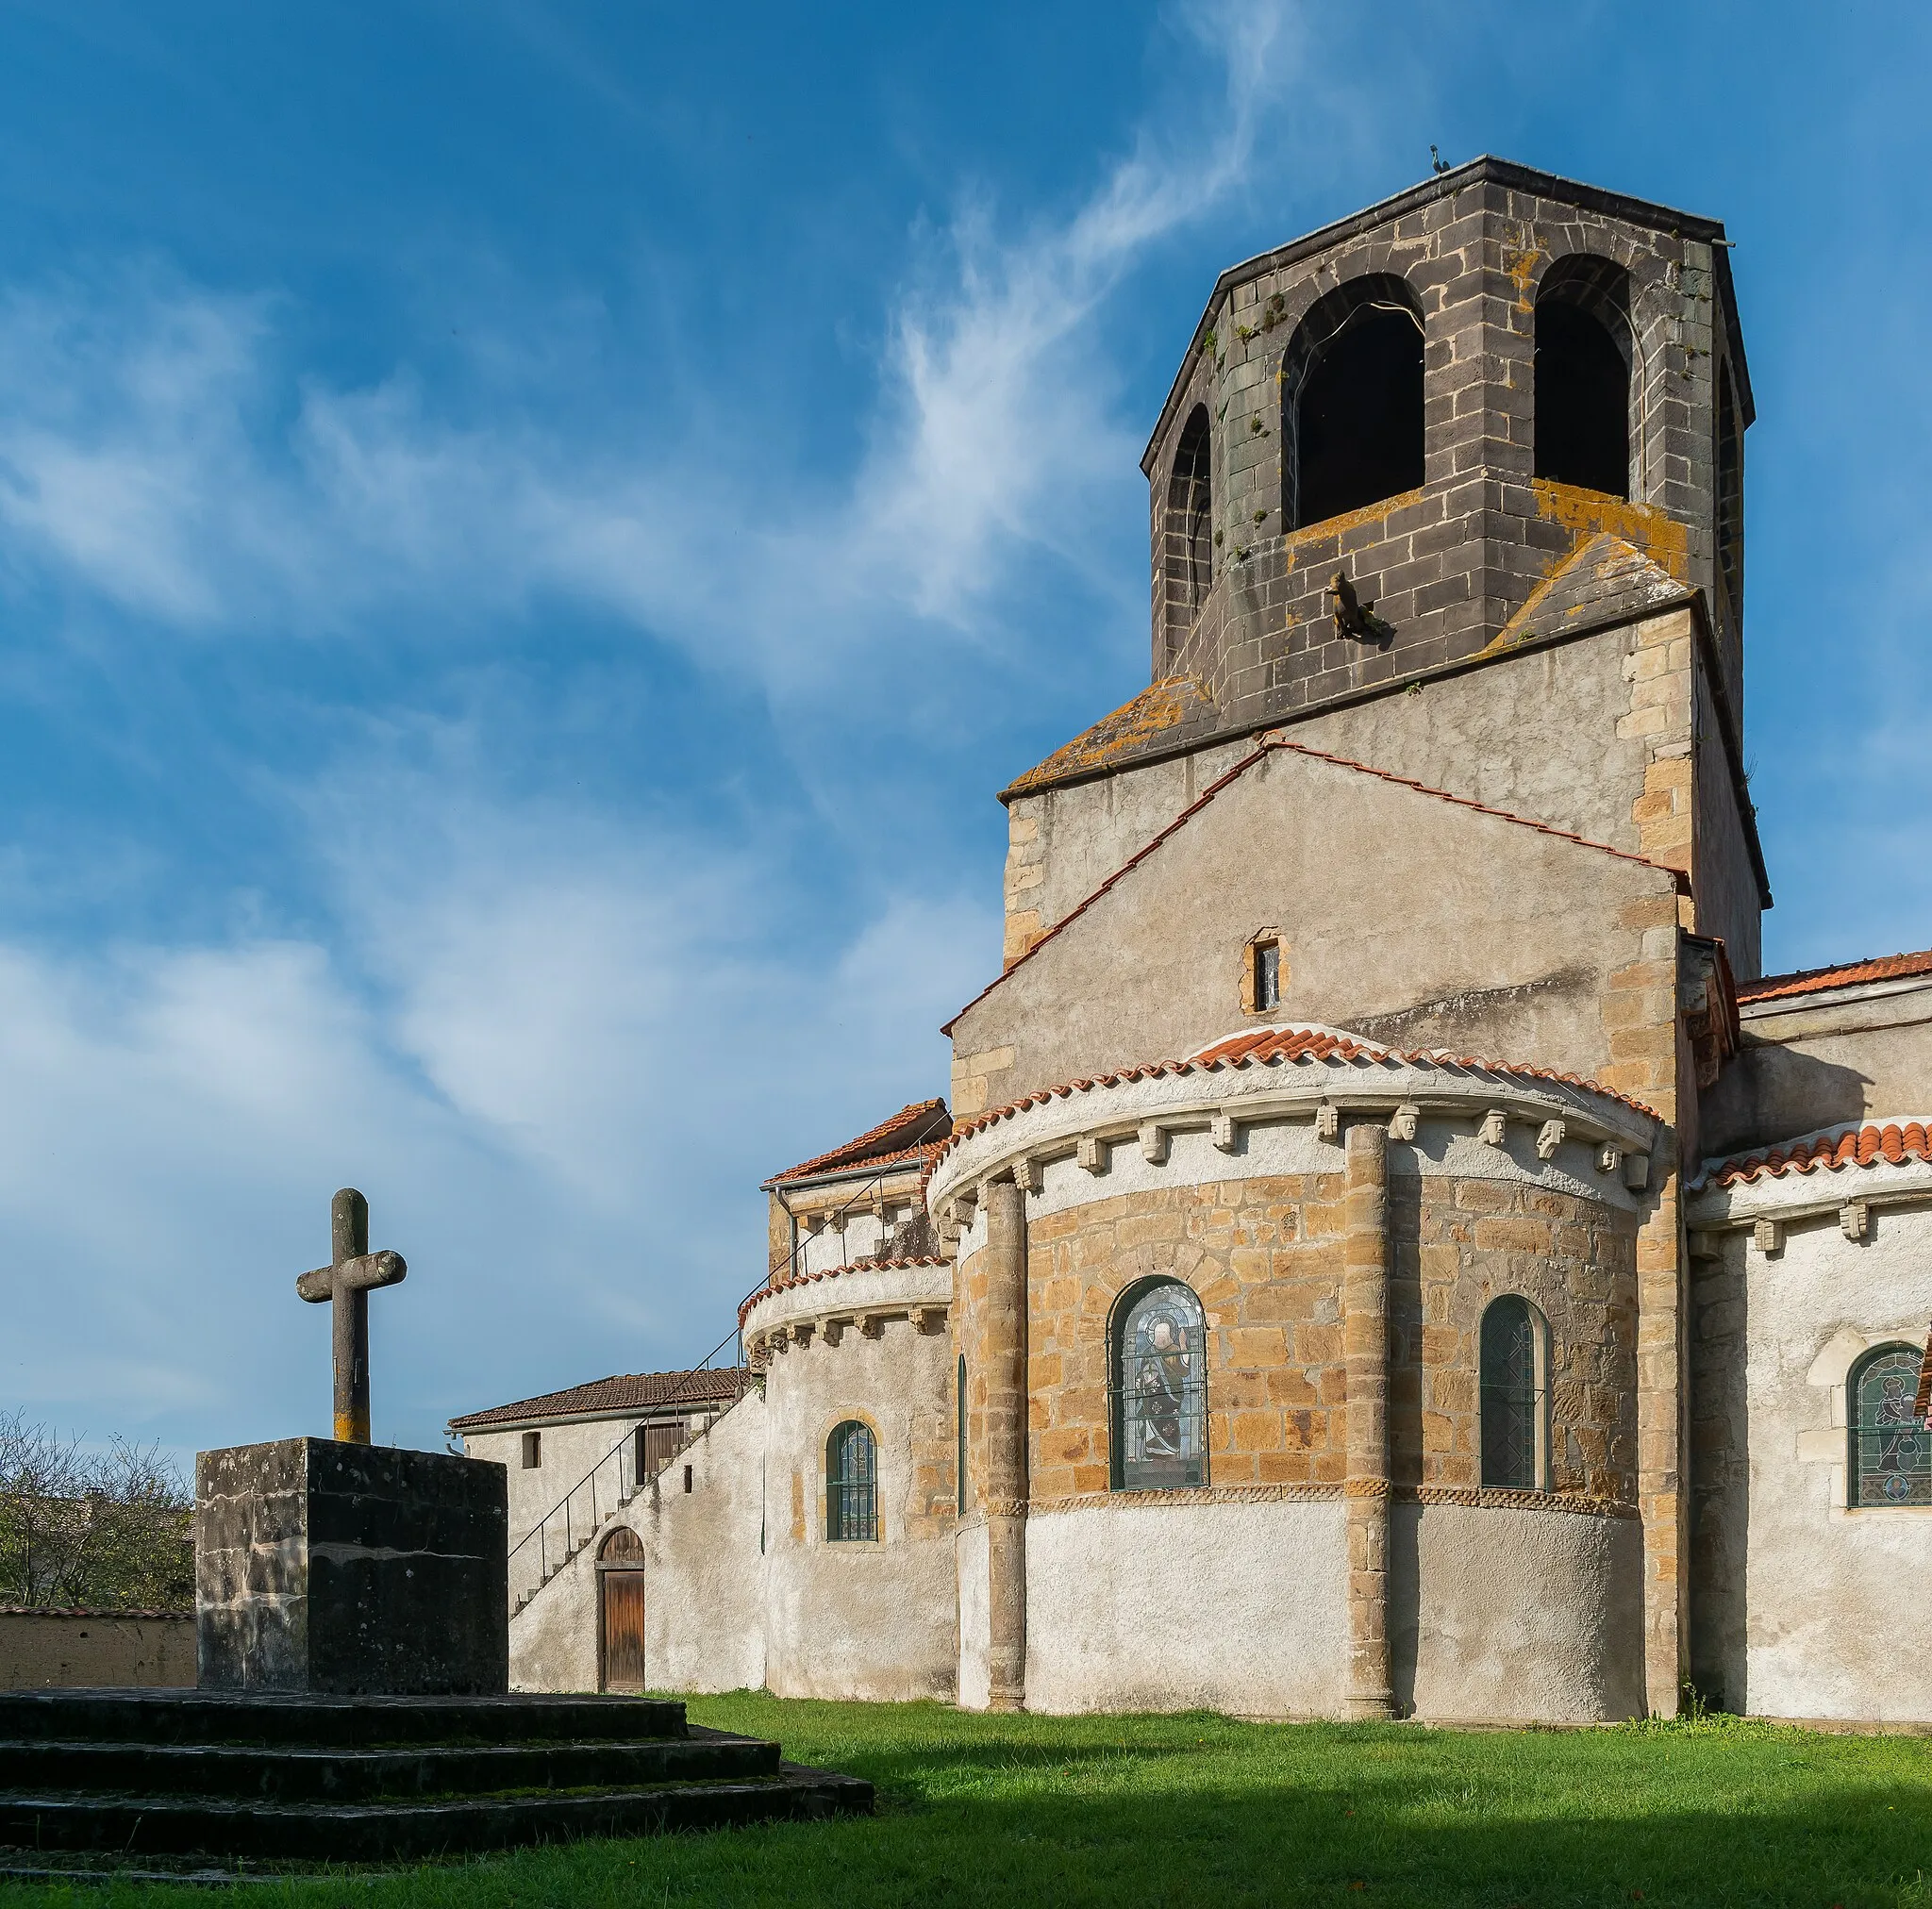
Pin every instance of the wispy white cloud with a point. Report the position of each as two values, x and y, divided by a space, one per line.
557 1045
155 448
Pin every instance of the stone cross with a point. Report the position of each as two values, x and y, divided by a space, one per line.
346 1283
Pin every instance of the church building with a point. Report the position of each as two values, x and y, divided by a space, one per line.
1388 1250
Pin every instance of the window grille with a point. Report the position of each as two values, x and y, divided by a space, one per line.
1160 1374
1267 976
1511 1396
1891 1452
852 1488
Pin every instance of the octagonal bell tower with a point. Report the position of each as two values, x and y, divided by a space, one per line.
1441 398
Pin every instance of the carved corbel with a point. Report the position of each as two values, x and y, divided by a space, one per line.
1403 1121
1549 1140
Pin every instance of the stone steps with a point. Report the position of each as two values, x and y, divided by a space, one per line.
286 1774
369 1780
281 1716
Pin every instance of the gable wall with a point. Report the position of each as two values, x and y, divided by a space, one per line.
1387 899
1594 736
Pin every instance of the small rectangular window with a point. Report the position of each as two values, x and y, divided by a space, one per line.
533 1451
1267 976
687 1477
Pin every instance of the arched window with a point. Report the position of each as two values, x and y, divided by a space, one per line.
1583 375
1891 1452
959 1456
852 1484
1514 1397
1158 1362
1352 402
1188 556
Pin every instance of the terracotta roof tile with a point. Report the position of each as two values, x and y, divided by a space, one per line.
1858 1146
1286 1043
1817 980
832 1272
908 1135
625 1392
1280 1047
1241 769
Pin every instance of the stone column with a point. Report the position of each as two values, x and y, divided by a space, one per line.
1004 1356
1365 1348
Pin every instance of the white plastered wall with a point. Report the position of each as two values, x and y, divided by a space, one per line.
1509 1614
704 1573
1234 1607
861 1620
1826 1584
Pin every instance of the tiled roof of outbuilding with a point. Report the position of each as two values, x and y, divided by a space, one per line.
1860 1146
1817 980
909 1135
624 1392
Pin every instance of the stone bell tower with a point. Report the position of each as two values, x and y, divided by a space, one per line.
1441 398
1453 488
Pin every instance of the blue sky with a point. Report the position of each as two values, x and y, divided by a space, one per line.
530 536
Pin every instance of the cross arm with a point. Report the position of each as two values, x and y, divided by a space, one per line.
359 1274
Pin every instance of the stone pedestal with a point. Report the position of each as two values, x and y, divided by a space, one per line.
353 1569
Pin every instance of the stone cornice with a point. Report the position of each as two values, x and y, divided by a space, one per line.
847 1294
1143 1109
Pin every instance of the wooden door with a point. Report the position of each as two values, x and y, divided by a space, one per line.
659 1445
622 1604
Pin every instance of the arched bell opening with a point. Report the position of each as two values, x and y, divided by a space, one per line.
1352 402
1582 378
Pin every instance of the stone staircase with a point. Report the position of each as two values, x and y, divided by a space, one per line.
173 1774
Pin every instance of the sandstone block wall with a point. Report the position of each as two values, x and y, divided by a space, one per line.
1263 1254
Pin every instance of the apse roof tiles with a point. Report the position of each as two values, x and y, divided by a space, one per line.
1285 1046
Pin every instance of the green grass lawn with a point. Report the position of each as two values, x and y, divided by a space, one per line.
1197 1809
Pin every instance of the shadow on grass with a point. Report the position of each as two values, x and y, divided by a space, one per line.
1180 1811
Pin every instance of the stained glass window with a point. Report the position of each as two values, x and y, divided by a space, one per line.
852 1484
1161 1390
1891 1452
1512 1399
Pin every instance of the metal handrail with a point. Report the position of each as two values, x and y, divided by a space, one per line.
540 1532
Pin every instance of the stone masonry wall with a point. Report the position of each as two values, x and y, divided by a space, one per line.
1265 1257
1448 565
1458 1244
